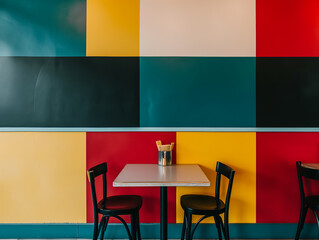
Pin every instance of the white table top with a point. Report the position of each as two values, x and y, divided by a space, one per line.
147 175
311 165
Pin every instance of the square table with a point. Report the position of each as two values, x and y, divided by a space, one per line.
311 165
154 175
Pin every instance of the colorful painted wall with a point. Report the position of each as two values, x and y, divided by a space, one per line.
88 81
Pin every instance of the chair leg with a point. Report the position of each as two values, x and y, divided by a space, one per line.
104 228
188 226
125 225
218 226
95 231
97 227
303 213
226 229
316 215
222 225
133 227
138 226
184 226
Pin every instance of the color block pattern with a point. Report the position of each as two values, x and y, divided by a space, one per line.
42 177
120 148
69 92
192 28
113 28
197 92
287 92
238 150
278 197
287 28
207 63
42 28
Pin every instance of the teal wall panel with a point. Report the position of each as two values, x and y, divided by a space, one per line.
197 92
151 231
43 28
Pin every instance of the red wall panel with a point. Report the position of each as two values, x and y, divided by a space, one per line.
287 28
120 148
278 197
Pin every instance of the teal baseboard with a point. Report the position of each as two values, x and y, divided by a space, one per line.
151 231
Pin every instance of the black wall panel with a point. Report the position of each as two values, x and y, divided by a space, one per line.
287 92
69 92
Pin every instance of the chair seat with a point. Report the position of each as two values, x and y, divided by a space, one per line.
202 204
312 201
121 203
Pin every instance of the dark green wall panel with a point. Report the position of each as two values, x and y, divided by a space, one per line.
69 92
197 92
288 92
42 28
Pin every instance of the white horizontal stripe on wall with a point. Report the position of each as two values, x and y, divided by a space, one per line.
158 129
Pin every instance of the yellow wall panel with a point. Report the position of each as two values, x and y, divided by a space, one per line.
238 150
112 28
43 177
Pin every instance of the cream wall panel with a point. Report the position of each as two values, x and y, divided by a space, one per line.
43 177
238 150
197 28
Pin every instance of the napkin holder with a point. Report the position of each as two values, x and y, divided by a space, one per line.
164 154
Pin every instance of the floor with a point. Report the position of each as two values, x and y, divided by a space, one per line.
147 239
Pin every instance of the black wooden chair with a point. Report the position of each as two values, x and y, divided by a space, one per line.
307 202
113 206
208 206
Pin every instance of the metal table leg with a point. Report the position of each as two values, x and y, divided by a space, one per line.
163 213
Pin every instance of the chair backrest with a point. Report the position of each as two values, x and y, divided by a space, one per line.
305 172
229 173
94 172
